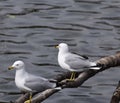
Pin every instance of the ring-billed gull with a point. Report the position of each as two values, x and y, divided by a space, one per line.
73 62
28 82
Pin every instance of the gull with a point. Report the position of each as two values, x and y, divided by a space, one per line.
28 82
73 62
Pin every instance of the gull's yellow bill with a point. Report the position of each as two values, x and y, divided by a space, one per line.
10 68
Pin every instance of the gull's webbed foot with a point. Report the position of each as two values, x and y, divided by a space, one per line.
30 99
27 101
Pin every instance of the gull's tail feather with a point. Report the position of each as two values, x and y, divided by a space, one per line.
54 85
95 66
58 88
53 82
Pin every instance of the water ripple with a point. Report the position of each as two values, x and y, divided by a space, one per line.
15 52
44 64
89 2
1 34
109 18
87 27
26 11
78 11
38 26
14 42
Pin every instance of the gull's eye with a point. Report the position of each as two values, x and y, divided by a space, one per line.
17 64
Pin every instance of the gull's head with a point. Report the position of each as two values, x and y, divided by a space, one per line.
62 47
17 65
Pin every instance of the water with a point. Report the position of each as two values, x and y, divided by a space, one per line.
30 28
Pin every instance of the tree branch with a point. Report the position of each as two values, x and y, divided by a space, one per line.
116 95
23 98
81 77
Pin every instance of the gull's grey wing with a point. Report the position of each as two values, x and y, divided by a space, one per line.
38 84
81 56
76 61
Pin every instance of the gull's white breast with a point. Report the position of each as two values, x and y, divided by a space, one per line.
61 61
20 80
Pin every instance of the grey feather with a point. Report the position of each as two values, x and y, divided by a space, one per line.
82 56
37 83
76 61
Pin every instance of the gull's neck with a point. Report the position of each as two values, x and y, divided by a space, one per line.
61 51
20 72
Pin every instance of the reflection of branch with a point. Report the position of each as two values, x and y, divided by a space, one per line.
116 95
81 77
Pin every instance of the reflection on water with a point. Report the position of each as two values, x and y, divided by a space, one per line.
30 29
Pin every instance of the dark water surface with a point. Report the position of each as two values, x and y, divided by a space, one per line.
30 28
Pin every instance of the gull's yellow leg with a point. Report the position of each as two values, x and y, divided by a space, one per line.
71 78
30 98
73 75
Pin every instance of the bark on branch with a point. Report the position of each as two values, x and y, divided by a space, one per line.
81 77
